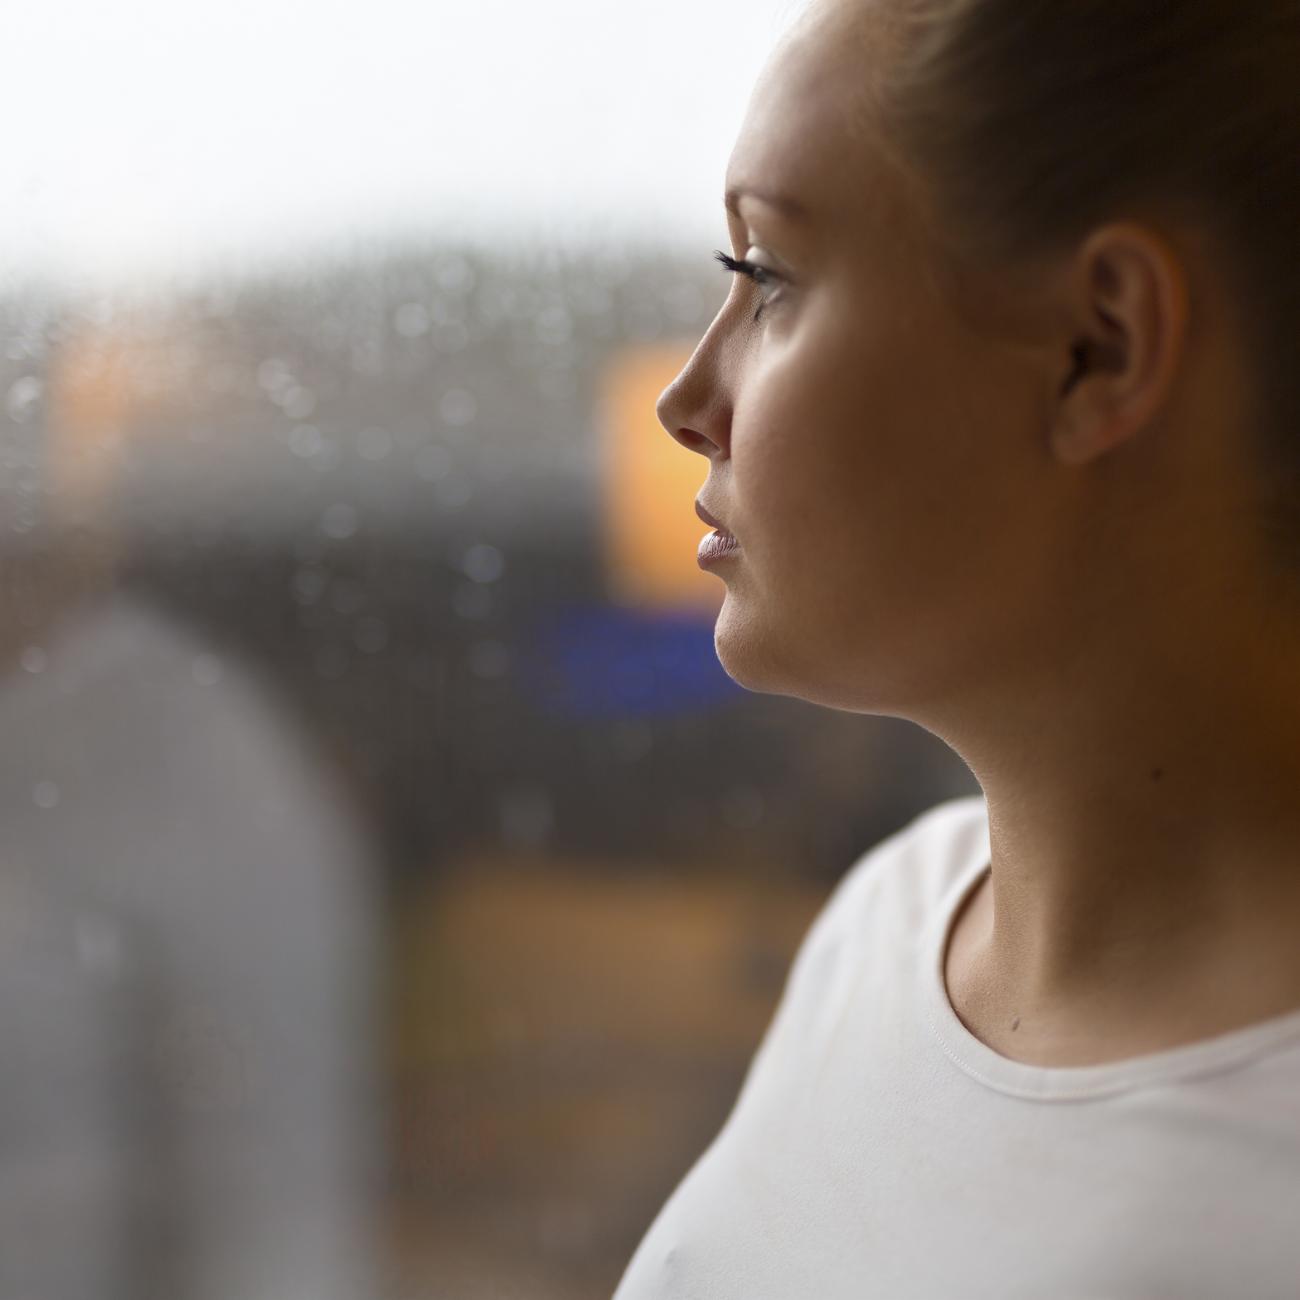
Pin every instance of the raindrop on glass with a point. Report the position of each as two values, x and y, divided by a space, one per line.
472 601
23 395
454 274
339 521
458 406
273 375
411 320
298 403
454 491
482 563
305 441
432 462
308 585
347 595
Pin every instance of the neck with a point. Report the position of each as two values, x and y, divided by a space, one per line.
1145 838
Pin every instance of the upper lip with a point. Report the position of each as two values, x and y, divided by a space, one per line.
709 519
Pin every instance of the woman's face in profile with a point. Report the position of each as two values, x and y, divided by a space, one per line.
882 464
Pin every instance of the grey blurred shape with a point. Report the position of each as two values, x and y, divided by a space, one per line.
189 1105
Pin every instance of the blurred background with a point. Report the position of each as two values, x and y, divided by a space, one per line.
393 887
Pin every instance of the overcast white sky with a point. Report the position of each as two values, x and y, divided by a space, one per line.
151 137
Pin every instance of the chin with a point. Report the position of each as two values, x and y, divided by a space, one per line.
751 656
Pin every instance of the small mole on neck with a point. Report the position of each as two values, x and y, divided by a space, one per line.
1015 1024
1157 773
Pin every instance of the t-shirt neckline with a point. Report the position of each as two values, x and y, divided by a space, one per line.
1070 1083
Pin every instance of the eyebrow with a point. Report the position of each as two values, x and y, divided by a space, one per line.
789 207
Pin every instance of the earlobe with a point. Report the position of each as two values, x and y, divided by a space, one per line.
1084 425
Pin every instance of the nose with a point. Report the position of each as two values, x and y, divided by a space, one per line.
693 408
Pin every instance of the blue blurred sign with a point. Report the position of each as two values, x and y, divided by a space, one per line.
608 662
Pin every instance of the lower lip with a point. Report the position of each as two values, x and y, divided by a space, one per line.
716 545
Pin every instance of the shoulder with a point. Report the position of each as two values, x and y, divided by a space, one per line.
882 903
910 871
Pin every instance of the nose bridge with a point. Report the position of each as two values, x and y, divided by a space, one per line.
695 401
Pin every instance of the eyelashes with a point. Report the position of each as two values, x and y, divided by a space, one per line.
761 275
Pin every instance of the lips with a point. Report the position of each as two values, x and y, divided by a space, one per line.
709 519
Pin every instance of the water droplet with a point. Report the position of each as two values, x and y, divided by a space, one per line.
308 585
328 455
458 406
339 521
411 320
206 669
22 397
472 601
454 274
34 659
482 563
297 402
273 375
305 440
45 794
454 491
347 595
433 462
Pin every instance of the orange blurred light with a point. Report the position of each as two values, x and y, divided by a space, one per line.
650 482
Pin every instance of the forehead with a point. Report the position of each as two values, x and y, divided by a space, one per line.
807 129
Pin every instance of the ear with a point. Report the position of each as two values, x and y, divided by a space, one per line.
1128 308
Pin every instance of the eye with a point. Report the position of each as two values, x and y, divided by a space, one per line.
761 275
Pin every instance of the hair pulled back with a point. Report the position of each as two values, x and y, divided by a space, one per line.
1032 121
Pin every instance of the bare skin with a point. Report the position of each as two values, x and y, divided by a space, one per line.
1059 573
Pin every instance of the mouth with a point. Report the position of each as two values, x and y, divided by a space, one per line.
707 518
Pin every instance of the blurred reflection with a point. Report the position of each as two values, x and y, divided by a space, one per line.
393 543
188 1106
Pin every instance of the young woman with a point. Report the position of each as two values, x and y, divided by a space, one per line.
1003 416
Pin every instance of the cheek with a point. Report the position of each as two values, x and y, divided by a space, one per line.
853 431
887 458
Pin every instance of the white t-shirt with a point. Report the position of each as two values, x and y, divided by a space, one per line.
878 1149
